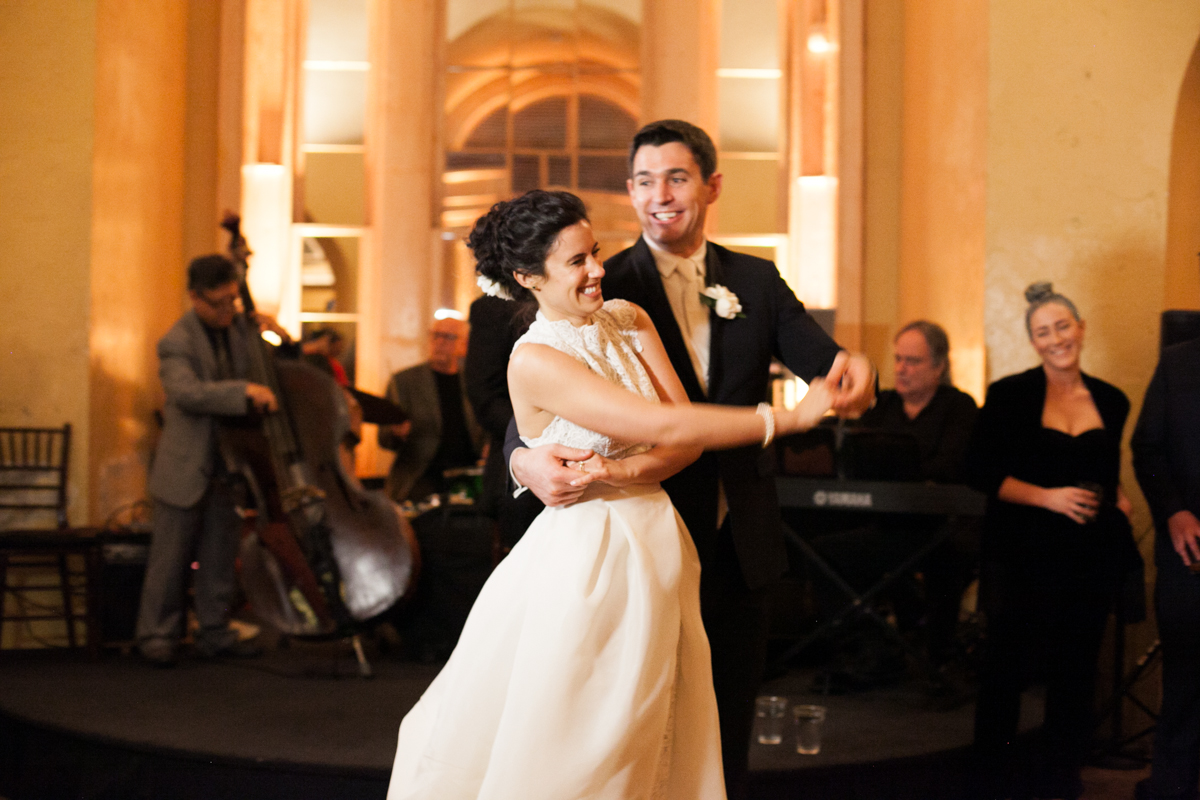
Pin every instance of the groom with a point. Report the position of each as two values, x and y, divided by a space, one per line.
727 499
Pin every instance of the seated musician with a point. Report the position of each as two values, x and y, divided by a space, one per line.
441 432
924 404
323 349
928 408
203 365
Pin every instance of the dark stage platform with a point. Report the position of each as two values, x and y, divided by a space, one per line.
298 723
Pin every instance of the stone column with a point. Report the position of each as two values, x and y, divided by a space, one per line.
680 51
399 272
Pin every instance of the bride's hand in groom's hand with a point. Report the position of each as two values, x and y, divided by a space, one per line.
544 470
808 412
599 468
852 380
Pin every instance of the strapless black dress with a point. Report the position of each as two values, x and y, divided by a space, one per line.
1039 545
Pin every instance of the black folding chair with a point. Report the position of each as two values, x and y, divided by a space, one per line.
38 581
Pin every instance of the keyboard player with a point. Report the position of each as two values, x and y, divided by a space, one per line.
924 407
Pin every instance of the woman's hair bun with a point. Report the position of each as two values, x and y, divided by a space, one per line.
1037 292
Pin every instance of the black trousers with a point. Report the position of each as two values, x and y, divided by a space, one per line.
1045 631
1176 769
736 619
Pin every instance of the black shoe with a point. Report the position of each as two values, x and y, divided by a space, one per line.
240 648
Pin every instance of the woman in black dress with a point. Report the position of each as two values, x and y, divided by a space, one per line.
1057 542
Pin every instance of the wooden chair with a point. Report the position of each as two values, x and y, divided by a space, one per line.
36 541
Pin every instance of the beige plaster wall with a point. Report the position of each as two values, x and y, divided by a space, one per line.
883 107
47 66
137 233
201 208
943 176
1082 107
1182 280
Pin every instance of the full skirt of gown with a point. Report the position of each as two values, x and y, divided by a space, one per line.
583 670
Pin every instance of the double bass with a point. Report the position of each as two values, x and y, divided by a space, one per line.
321 555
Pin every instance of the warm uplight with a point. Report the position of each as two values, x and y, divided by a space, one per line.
266 223
817 43
272 337
816 245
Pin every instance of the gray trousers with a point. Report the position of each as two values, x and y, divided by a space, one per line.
209 534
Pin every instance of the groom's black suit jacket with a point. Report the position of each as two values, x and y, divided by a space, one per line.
775 324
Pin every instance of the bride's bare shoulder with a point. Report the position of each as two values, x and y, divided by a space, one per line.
530 359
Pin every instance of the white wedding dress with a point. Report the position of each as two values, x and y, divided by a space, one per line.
583 670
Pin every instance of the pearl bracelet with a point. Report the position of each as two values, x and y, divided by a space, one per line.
765 411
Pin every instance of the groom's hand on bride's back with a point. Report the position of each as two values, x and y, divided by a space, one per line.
543 470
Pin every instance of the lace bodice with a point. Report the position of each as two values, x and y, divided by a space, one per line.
608 347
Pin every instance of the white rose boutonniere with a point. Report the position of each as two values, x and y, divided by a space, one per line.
490 287
721 300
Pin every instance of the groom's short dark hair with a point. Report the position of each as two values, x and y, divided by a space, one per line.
656 134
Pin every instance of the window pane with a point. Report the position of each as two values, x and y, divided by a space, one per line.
524 174
329 275
603 173
749 34
749 114
334 107
560 171
456 161
337 30
603 124
542 124
333 188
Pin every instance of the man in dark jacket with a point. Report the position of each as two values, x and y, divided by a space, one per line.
1166 458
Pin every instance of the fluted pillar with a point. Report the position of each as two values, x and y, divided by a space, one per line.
680 51
943 204
400 270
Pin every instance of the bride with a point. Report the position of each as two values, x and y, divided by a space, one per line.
583 670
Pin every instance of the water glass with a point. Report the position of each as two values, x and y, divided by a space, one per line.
770 715
809 721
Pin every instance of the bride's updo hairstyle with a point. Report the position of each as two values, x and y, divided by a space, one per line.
1038 295
517 236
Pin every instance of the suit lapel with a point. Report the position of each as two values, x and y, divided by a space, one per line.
714 273
427 394
654 300
202 346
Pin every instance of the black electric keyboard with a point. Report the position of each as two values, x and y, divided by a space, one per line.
881 497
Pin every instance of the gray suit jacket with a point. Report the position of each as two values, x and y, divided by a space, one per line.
184 459
415 391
